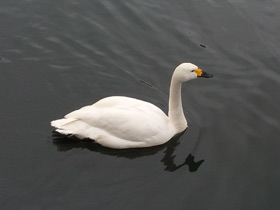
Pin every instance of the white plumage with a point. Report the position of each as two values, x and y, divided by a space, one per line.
123 122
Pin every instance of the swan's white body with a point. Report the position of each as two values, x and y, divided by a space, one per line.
123 122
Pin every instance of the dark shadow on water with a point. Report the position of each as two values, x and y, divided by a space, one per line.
168 159
65 143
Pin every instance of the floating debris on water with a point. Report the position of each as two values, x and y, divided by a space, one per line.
201 45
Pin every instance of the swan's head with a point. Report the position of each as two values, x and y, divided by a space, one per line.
189 71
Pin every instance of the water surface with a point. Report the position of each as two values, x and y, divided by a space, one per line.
57 56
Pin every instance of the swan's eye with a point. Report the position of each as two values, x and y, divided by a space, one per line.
198 72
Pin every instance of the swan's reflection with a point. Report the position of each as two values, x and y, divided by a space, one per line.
65 143
168 159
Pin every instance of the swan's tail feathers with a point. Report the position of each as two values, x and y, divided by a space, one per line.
72 127
64 126
62 122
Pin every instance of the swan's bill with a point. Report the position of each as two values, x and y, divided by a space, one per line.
201 73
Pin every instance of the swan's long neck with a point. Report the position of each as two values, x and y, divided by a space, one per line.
176 112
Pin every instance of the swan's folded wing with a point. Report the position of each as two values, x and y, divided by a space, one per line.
126 122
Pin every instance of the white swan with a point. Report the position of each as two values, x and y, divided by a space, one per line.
122 122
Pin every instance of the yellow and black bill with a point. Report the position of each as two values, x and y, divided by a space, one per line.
201 73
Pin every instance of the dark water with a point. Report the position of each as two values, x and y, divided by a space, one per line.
57 56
